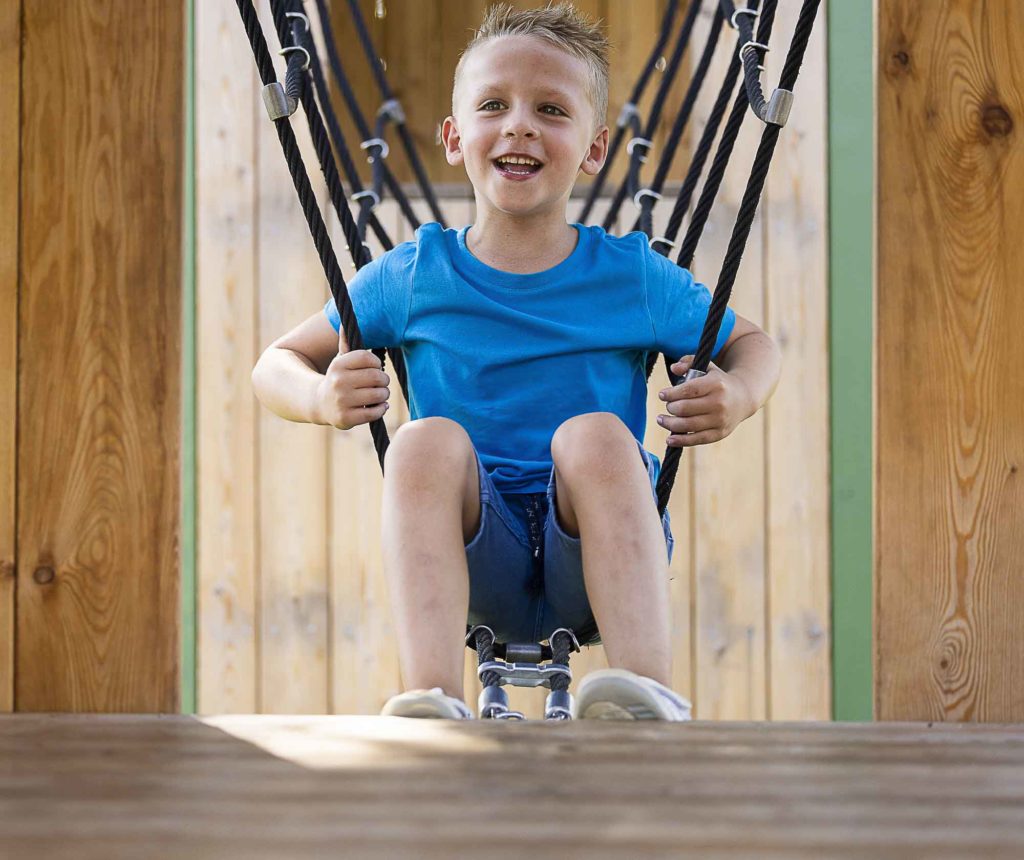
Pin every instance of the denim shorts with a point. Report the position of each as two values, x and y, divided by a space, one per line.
525 571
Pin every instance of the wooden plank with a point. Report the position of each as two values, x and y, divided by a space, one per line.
292 458
796 417
950 624
99 387
269 787
226 116
10 170
728 478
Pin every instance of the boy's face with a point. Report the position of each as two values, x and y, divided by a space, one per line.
522 96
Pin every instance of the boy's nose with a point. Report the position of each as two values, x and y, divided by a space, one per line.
517 126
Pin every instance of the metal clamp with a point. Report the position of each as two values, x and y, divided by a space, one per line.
278 103
760 46
668 243
629 110
285 51
779 106
693 373
392 108
378 142
639 141
734 23
519 675
572 636
471 635
301 15
642 193
369 192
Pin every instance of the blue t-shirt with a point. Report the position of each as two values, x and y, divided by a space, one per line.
511 356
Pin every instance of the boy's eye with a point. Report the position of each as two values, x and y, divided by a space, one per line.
555 110
490 105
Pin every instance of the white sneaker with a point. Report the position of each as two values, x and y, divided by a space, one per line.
429 704
618 694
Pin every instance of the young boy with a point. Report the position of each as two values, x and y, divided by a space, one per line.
519 495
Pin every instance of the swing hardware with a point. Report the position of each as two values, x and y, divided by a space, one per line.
524 675
634 142
392 109
629 110
380 143
370 193
278 103
642 193
284 52
779 106
305 20
668 243
735 24
693 373
760 46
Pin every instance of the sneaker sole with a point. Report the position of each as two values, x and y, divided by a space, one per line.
616 695
420 706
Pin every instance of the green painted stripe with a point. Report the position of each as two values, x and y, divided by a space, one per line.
851 186
188 388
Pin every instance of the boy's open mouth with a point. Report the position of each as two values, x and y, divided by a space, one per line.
517 166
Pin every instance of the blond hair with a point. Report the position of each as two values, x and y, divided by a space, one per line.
560 24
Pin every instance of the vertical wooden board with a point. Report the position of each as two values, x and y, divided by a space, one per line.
226 577
100 358
949 598
729 487
292 465
796 315
364 652
10 107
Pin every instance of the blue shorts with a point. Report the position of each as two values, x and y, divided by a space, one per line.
525 571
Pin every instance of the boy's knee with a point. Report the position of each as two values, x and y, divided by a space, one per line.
430 443
585 440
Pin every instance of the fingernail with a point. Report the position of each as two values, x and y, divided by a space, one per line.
661 420
662 395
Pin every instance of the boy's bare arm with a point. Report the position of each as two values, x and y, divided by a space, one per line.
308 375
709 408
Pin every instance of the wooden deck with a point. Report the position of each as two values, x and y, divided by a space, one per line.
83 786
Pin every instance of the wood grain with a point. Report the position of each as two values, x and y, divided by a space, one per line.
730 659
226 116
100 357
797 416
10 166
304 787
949 598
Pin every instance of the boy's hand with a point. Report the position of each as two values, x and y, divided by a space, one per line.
706 409
353 391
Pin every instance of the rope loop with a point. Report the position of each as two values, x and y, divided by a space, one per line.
380 143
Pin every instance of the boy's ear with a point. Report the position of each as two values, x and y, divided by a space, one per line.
596 155
452 142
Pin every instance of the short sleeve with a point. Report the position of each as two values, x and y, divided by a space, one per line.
380 294
679 307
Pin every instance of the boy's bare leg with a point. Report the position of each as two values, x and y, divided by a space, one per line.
431 508
604 496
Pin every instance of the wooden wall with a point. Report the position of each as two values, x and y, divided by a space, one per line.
293 615
90 290
949 597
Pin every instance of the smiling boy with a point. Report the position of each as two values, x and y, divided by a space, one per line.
519 494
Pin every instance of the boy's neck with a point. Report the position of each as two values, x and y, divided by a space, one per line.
521 246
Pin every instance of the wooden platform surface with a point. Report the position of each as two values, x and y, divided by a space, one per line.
85 786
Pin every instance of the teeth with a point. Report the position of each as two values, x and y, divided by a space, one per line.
518 159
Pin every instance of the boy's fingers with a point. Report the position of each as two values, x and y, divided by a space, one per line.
360 358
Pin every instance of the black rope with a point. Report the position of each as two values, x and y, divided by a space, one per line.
630 184
629 109
399 118
645 220
314 219
297 34
741 230
352 103
484 641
